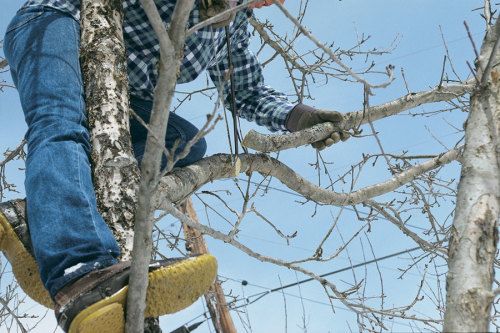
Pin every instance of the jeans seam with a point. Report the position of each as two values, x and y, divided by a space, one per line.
81 101
87 200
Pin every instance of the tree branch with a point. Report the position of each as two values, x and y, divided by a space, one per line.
329 52
278 142
171 47
182 182
358 307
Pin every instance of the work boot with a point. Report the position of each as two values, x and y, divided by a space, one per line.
96 302
15 242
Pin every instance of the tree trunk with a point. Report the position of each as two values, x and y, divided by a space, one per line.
104 68
474 232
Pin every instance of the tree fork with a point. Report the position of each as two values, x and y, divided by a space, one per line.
474 234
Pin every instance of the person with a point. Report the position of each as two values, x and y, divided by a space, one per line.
76 253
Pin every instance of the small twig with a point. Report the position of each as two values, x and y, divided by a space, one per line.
3 63
476 52
442 73
366 106
406 82
13 153
448 55
15 316
472 71
328 51
284 304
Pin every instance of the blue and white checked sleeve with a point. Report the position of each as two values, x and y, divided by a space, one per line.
254 100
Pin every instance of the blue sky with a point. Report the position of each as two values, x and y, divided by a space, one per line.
419 50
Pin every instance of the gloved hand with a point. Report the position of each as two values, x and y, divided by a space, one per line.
259 4
303 116
210 8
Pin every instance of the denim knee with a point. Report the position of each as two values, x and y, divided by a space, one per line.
196 153
179 132
50 130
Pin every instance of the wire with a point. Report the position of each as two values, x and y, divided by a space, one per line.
261 295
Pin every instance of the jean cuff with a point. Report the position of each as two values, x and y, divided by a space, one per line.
75 272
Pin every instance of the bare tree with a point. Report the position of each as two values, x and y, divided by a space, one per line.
414 182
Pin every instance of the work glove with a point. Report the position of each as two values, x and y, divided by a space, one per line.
259 4
210 8
303 116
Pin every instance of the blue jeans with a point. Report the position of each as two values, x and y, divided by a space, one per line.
178 129
68 234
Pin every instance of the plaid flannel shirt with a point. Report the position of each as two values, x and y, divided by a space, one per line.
205 49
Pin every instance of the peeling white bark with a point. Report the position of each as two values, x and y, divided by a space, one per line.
182 182
277 142
115 171
474 234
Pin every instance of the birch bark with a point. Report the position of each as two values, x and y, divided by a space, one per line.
115 171
474 234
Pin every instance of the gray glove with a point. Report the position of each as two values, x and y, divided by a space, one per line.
210 8
303 116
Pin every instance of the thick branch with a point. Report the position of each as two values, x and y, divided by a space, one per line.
182 182
277 142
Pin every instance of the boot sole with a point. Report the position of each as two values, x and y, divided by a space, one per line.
170 289
23 264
